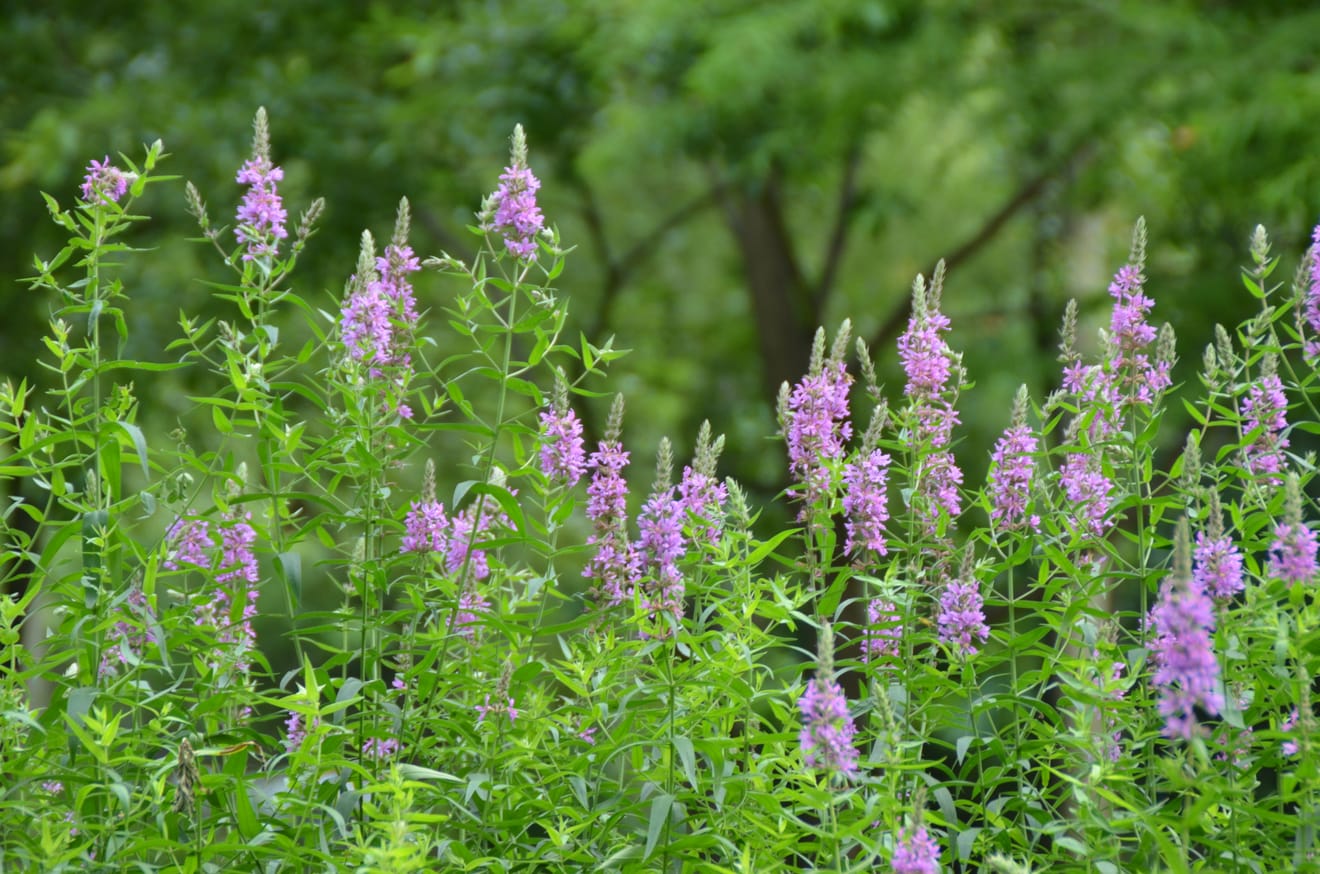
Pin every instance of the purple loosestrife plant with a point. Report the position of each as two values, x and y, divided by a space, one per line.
1182 647
883 633
916 852
1012 469
261 215
1293 551
512 210
1216 560
1310 301
865 502
828 732
961 618
1265 411
934 375
661 545
614 566
814 419
563 456
104 182
702 495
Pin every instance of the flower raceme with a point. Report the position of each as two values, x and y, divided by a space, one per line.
512 210
104 182
1182 648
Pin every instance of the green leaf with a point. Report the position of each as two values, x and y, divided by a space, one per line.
660 809
139 444
289 567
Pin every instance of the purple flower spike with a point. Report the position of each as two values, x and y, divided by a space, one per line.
1293 554
1182 648
961 619
916 852
865 501
512 210
827 729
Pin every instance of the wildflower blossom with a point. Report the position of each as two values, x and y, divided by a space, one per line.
1012 466
238 564
865 502
884 631
295 731
817 428
703 497
512 210
505 706
1293 553
1266 409
1289 747
614 566
563 458
916 852
54 787
378 317
1086 486
660 547
190 541
261 214
1217 566
472 606
961 620
1131 335
930 367
426 527
104 182
1311 296
380 748
1181 625
827 731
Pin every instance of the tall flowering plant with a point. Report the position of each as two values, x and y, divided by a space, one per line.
504 652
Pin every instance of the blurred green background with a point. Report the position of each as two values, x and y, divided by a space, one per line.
732 173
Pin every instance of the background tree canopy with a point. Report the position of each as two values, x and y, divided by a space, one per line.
734 173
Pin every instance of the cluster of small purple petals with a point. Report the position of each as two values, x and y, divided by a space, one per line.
961 620
261 214
465 531
703 497
295 731
563 455
916 853
660 547
1293 554
104 182
472 606
817 429
517 215
1266 408
1235 745
1182 648
191 542
1131 334
1289 747
865 502
940 481
1311 301
615 565
1217 566
380 748
827 729
884 631
54 787
1012 466
504 706
1097 391
1088 489
378 320
926 357
426 528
